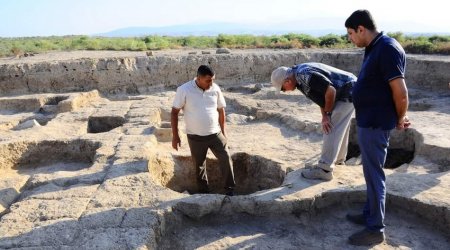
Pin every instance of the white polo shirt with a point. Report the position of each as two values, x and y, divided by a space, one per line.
200 108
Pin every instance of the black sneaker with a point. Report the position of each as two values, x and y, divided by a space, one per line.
356 218
366 238
229 191
203 187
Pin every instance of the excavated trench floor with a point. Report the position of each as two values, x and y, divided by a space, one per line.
325 229
102 174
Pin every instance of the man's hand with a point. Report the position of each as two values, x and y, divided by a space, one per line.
327 126
174 123
176 142
403 123
400 96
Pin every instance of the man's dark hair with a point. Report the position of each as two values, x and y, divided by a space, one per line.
360 17
205 70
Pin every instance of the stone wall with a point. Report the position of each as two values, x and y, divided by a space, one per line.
140 75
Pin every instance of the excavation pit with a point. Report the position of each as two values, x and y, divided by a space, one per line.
31 104
322 229
163 133
252 173
20 162
102 124
401 147
55 100
80 205
26 155
395 156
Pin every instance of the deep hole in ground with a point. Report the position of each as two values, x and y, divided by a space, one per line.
324 228
395 156
54 100
252 173
101 124
401 148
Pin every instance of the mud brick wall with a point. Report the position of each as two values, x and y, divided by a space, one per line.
140 75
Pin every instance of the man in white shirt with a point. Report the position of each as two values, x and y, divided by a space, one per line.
203 106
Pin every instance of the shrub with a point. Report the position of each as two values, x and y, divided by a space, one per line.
196 41
16 51
442 48
397 36
437 39
310 42
330 40
419 47
156 42
18 46
304 40
225 41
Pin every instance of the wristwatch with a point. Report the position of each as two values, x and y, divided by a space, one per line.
329 113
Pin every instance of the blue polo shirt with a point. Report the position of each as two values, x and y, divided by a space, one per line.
384 60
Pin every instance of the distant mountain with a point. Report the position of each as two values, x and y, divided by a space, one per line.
213 29
314 27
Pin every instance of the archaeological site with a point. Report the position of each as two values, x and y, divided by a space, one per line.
86 160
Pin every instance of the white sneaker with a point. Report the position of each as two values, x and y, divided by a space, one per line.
317 173
342 163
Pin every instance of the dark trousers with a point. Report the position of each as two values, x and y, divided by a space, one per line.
373 144
218 144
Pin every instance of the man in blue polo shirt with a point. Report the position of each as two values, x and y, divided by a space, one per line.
380 97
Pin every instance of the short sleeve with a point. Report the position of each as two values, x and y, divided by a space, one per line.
392 63
220 99
180 98
319 83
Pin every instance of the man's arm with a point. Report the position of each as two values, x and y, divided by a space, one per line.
400 96
174 123
222 120
330 98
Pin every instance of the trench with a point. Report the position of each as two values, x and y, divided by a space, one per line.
401 147
21 161
318 228
252 173
102 124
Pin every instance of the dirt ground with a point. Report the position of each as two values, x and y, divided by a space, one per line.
98 172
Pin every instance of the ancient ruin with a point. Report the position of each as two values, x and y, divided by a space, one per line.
86 160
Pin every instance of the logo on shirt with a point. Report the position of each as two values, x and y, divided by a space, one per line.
303 78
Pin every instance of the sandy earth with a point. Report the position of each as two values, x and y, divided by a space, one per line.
64 188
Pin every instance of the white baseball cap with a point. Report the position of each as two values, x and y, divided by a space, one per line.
278 77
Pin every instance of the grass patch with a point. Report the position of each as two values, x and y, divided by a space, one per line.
20 46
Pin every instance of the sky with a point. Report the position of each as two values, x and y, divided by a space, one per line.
20 18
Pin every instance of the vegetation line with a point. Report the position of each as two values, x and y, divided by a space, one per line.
21 46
